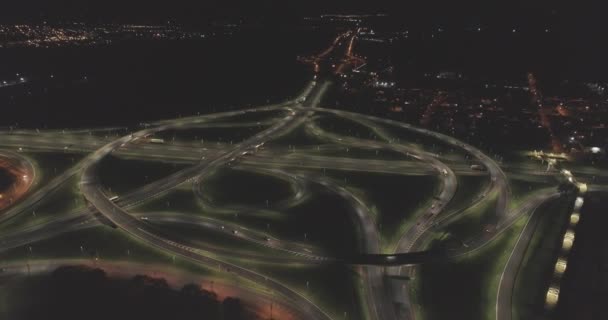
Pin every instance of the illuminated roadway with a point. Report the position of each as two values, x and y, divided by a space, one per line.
374 278
253 155
144 231
94 193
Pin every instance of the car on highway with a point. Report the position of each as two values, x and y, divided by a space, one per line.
478 167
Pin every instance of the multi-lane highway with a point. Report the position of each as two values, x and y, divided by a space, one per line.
378 265
415 160
296 117
94 193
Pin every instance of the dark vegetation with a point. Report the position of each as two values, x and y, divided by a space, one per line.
5 180
75 292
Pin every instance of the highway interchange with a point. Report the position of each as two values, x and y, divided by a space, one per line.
300 167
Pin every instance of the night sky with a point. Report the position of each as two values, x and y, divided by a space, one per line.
193 11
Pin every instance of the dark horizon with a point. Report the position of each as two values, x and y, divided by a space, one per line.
192 12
